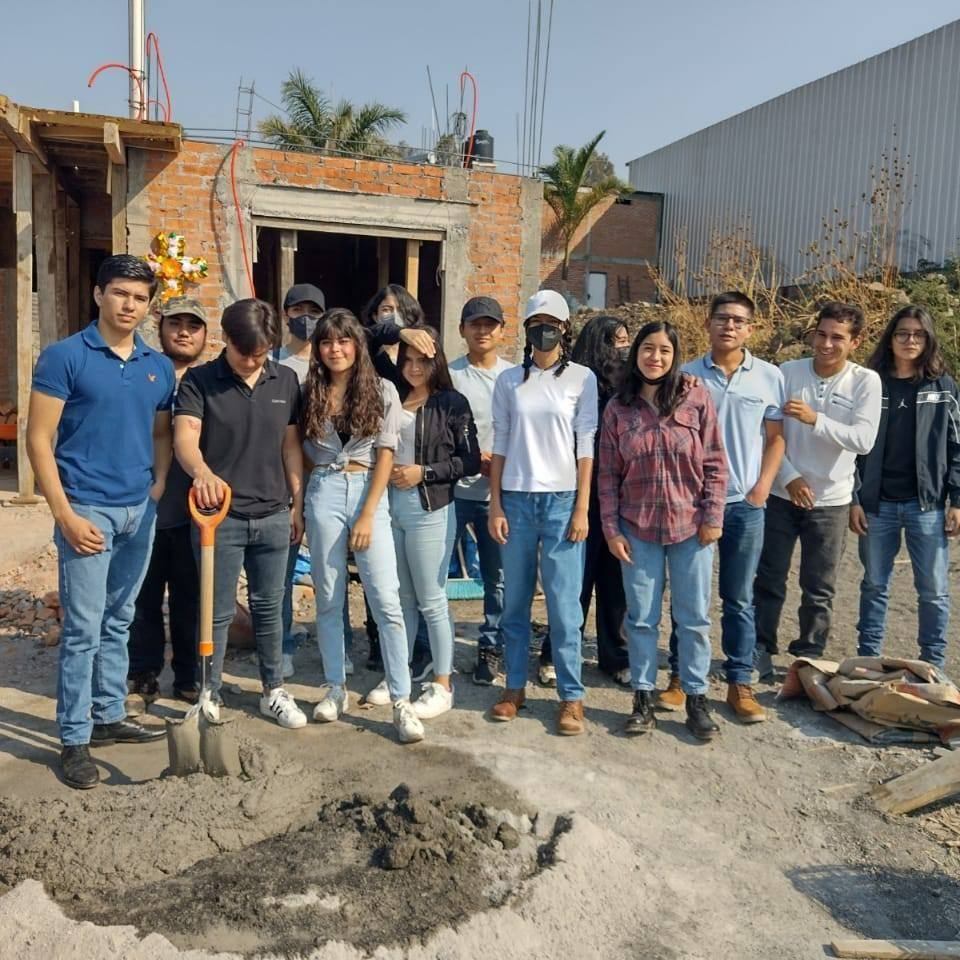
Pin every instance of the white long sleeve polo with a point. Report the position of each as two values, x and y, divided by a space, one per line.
544 426
848 416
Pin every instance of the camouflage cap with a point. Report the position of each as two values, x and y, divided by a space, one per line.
177 306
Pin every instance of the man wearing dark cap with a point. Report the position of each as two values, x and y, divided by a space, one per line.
182 328
473 375
303 306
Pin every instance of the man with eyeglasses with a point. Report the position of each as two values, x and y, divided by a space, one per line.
830 418
748 395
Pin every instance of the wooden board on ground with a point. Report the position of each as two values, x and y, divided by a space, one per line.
897 949
927 784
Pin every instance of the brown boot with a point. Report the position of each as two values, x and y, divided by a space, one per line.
509 705
673 698
570 718
744 704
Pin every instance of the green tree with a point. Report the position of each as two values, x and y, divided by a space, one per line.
341 129
599 169
570 196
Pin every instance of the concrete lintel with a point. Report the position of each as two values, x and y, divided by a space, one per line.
531 213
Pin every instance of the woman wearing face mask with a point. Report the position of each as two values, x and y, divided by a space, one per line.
393 306
351 424
438 446
663 487
602 347
544 422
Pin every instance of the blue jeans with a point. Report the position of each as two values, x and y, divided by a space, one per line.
690 566
929 557
290 644
539 523
424 542
738 553
98 595
477 513
332 504
261 547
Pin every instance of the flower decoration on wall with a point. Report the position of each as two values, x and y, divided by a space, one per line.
174 269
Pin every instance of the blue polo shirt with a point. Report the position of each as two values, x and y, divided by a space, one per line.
104 448
753 393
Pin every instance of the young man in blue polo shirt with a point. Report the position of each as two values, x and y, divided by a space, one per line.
98 438
748 395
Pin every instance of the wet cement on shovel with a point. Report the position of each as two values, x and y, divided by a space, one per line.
276 860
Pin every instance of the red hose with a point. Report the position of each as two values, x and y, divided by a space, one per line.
468 159
236 203
163 76
132 72
166 116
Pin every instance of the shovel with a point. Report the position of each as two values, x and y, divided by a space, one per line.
200 741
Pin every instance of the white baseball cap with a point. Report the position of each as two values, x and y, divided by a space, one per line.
548 302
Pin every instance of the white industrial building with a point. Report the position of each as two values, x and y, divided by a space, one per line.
783 166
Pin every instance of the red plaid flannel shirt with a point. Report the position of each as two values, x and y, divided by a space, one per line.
662 477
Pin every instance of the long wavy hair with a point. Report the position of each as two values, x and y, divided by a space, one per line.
930 363
407 306
675 382
438 373
594 349
566 351
362 409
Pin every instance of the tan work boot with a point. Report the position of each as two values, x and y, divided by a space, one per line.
570 718
673 698
511 702
744 704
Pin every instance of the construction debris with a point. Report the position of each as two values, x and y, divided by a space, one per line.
897 949
923 786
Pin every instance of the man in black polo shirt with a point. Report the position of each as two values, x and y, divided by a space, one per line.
236 424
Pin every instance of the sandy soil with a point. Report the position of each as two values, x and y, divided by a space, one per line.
760 844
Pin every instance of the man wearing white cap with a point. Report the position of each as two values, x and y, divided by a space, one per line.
544 421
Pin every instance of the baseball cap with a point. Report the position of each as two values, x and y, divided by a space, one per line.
303 292
548 302
176 306
477 307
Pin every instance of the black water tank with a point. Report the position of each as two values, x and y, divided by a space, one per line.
482 147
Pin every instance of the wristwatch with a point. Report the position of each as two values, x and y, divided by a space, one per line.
429 475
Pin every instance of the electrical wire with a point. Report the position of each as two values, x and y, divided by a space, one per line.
468 159
133 73
543 98
237 145
163 76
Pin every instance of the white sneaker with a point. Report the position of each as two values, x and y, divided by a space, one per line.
407 723
348 666
434 699
379 696
333 705
288 670
547 675
283 708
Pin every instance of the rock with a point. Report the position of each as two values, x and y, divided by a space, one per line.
397 855
52 637
51 599
47 613
508 836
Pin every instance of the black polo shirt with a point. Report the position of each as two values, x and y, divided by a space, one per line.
242 434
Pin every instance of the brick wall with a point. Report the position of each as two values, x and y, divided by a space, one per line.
618 239
190 193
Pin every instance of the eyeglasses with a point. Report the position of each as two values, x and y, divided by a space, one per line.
905 336
721 320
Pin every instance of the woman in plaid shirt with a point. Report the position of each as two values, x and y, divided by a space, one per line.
663 483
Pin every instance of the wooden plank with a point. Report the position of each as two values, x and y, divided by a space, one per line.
928 783
15 125
413 268
288 250
23 210
73 267
61 294
897 949
118 204
383 262
113 143
44 204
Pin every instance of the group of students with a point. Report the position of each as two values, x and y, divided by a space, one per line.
604 466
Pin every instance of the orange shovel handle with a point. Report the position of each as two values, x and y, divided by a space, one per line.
207 523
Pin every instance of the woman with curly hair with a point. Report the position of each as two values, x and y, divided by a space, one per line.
544 421
351 429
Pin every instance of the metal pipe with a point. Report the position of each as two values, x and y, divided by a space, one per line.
137 48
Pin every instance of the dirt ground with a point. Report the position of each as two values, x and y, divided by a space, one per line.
483 840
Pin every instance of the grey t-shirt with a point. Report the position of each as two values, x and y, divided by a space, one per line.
299 365
476 384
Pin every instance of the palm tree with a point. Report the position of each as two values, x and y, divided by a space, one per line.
341 130
566 191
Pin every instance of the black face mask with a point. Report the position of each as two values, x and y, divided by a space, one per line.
653 383
302 327
544 336
623 353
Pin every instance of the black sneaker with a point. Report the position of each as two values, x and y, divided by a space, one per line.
188 692
145 685
642 720
422 667
699 721
375 658
489 666
79 771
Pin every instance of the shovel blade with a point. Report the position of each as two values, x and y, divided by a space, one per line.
219 749
183 744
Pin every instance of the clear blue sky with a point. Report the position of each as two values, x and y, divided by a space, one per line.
647 72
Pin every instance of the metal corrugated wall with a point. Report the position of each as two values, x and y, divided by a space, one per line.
787 164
